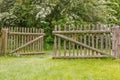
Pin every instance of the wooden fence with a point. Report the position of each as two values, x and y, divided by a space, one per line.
83 41
20 40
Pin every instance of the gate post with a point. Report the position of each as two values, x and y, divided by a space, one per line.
116 42
4 42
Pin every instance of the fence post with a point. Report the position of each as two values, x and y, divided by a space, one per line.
4 41
116 42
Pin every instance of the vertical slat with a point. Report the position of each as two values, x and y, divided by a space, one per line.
42 41
39 41
107 41
102 37
25 37
89 40
30 30
93 26
97 37
22 37
69 42
33 37
109 38
29 39
85 50
59 42
65 42
81 41
77 40
73 45
55 44
4 41
11 40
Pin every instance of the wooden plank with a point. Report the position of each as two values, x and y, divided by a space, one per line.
77 40
11 40
22 38
81 53
25 37
59 42
39 41
30 53
89 40
65 43
72 57
97 37
30 42
55 44
80 31
79 43
69 43
26 33
33 37
93 27
74 38
85 51
101 40
116 42
109 36
4 41
42 41
106 41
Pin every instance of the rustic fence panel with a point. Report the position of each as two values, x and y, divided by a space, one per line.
83 41
21 40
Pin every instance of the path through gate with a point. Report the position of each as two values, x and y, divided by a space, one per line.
83 41
22 40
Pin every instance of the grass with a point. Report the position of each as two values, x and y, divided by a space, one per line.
43 67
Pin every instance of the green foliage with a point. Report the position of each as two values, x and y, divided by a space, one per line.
48 13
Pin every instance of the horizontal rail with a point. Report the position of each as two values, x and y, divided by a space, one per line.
30 53
96 56
81 31
21 33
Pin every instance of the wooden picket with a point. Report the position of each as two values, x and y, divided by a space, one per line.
83 41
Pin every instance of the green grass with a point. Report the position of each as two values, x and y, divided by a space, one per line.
43 67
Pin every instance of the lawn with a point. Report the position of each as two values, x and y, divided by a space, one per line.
43 67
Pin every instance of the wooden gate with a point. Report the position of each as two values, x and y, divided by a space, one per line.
83 41
22 40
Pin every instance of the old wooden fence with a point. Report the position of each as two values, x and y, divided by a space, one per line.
20 40
86 41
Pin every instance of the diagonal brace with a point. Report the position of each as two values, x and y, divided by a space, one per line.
28 43
81 44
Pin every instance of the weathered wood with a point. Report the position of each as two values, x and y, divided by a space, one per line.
85 51
55 44
69 43
81 41
73 45
97 37
65 43
116 42
30 53
59 42
93 27
24 33
81 44
70 57
89 41
81 31
30 42
4 41
77 40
